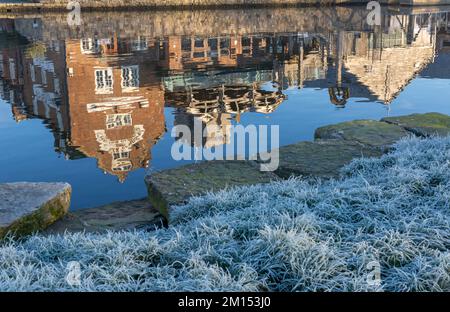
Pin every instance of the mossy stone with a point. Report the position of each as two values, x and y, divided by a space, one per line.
26 208
117 216
175 186
423 124
320 159
366 132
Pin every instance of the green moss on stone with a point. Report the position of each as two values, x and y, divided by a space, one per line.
174 186
367 132
321 159
423 124
40 218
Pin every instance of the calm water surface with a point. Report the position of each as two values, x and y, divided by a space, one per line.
94 105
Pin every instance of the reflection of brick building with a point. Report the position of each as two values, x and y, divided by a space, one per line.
197 53
45 89
116 104
200 53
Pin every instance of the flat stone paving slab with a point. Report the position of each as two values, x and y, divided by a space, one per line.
26 207
175 186
423 124
367 132
321 159
117 216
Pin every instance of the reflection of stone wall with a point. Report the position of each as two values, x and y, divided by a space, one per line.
198 23
105 4
181 3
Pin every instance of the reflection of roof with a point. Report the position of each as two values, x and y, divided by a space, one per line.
229 99
267 102
386 77
215 78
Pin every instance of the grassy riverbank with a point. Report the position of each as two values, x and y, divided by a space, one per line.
294 235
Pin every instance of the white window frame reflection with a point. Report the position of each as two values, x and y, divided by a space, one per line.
118 120
104 80
130 78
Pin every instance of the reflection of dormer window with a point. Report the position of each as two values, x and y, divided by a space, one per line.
90 46
130 78
103 81
118 120
139 45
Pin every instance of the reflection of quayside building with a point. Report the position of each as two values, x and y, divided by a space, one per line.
103 98
116 102
374 65
97 103
217 79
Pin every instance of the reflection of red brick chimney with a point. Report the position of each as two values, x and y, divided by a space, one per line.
18 114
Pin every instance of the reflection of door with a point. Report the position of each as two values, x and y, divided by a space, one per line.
103 81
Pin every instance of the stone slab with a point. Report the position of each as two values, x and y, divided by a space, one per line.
320 159
175 186
26 207
117 216
423 124
366 132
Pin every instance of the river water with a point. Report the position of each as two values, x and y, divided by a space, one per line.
94 104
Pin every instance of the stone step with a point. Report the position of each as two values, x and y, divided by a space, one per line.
26 207
371 133
322 159
423 124
175 186
117 216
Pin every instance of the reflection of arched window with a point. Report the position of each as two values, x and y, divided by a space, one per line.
339 96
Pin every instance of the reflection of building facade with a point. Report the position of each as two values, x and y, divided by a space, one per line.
116 103
104 98
97 104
